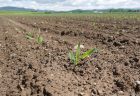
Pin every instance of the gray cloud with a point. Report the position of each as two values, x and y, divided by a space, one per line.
71 4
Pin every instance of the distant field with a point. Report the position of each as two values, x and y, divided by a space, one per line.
106 14
20 13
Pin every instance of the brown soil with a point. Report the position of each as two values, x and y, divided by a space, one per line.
31 69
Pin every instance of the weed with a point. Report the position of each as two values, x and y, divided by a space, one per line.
76 57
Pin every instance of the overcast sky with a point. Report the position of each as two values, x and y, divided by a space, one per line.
71 4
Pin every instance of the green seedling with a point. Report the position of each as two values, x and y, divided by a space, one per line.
40 39
76 57
29 35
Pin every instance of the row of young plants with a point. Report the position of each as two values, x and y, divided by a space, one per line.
39 39
75 56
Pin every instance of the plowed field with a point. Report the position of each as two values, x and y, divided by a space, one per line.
31 69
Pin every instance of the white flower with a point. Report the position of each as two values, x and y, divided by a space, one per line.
81 46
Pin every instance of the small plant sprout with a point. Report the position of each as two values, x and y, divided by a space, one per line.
76 57
40 39
29 35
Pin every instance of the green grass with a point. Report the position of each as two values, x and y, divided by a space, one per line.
21 13
105 15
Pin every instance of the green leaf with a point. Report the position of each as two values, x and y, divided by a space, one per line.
72 57
29 35
88 53
77 54
40 39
